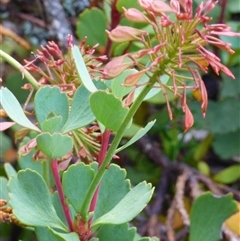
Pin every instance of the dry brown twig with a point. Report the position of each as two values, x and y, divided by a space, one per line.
9 33
179 196
178 204
169 222
187 177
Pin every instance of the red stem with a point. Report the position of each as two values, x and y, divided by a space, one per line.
221 20
223 10
115 19
104 146
54 166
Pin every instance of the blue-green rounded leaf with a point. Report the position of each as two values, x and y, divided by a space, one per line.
27 161
117 84
114 187
54 146
31 200
14 110
93 23
208 214
226 145
76 181
222 116
120 232
49 234
4 191
51 124
128 208
50 102
58 207
9 169
108 109
154 91
81 113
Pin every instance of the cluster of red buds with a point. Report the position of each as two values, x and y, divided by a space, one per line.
175 46
6 214
57 68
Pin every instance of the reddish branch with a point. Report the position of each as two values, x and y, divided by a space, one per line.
104 147
54 166
115 20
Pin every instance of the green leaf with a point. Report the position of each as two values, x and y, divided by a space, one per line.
227 145
137 136
233 6
52 124
108 109
235 43
127 4
50 102
148 239
114 187
9 169
128 207
208 214
160 98
221 117
82 71
27 161
230 87
81 113
76 191
6 143
58 207
228 175
14 82
54 146
3 189
117 88
154 91
31 200
93 23
49 234
14 109
116 232
202 148
204 168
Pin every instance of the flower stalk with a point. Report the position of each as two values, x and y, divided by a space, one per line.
18 66
180 45
113 147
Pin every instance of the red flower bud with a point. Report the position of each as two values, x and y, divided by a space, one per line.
135 16
123 34
132 79
188 119
161 7
204 98
116 67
